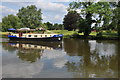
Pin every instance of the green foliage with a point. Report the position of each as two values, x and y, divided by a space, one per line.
49 25
71 20
30 16
29 55
0 26
58 26
10 21
99 34
89 10
55 26
118 18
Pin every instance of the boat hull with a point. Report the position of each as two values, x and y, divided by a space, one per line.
36 39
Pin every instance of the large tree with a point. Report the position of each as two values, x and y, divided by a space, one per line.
30 16
118 17
90 10
0 26
10 21
70 20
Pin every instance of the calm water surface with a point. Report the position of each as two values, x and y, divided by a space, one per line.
72 58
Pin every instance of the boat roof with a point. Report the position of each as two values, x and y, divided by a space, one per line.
25 30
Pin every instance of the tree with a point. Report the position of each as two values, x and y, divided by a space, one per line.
10 21
57 26
118 18
91 9
30 16
0 26
49 25
70 20
61 27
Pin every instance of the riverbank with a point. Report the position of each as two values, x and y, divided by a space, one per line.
104 35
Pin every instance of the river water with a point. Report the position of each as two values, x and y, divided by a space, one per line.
71 58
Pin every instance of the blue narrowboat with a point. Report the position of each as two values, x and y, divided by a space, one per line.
26 35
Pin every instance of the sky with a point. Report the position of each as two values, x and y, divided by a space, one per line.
52 10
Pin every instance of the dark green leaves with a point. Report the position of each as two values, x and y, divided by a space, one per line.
70 20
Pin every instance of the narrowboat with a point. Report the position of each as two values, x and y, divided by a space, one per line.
25 34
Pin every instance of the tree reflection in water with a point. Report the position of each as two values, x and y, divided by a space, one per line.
29 55
24 53
99 58
81 58
8 47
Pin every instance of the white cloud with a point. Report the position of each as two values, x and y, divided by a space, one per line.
59 0
78 10
60 62
52 12
22 70
63 0
37 0
6 11
44 17
19 0
50 6
57 17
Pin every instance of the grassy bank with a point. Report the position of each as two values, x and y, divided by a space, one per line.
104 33
112 35
3 34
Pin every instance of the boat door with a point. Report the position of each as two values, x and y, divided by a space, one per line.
20 34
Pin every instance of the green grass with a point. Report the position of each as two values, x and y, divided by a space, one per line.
109 34
67 33
4 33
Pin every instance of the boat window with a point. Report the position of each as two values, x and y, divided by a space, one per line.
29 35
29 45
35 35
50 35
45 35
35 46
41 35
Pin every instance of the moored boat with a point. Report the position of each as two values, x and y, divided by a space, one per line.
19 35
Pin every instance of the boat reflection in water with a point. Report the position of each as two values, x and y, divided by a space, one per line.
32 51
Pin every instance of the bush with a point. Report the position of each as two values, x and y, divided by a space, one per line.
75 35
108 31
99 34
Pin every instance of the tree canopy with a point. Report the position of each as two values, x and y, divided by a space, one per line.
89 11
10 21
30 16
118 18
70 20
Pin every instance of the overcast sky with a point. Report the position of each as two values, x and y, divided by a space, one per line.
52 10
